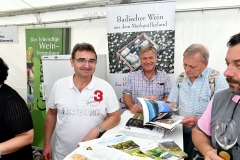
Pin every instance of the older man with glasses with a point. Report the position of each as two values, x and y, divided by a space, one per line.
81 107
192 90
147 83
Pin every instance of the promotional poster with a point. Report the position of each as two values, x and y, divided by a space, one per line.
41 42
131 27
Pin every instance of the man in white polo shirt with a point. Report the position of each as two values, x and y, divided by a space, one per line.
81 106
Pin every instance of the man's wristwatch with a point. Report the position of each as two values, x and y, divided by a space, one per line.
0 153
99 128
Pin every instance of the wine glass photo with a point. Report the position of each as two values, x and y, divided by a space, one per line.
225 133
174 105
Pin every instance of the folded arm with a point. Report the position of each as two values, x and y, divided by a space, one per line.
18 142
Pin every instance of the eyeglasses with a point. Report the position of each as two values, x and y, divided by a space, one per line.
84 61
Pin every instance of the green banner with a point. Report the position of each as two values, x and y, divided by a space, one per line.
41 42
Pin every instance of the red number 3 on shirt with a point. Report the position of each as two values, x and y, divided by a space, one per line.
98 96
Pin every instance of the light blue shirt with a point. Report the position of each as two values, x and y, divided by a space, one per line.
193 98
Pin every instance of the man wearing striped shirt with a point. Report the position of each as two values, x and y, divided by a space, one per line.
194 92
148 83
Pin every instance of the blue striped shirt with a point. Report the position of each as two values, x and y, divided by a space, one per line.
139 86
193 98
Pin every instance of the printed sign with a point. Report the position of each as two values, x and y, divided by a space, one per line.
8 34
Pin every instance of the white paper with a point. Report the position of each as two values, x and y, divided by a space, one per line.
155 133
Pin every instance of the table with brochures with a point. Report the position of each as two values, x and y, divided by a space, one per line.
113 144
176 134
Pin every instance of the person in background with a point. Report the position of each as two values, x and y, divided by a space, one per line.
16 126
224 104
81 107
148 83
193 92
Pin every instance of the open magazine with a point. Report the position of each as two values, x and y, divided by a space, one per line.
116 147
157 152
172 148
159 114
93 151
131 130
165 149
124 144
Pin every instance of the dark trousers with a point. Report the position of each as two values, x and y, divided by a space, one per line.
188 145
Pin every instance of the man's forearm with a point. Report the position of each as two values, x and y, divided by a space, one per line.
112 120
18 142
201 141
128 100
50 123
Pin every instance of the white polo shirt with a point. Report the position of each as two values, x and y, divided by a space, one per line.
79 112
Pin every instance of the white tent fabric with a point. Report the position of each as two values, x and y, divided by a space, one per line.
212 28
18 5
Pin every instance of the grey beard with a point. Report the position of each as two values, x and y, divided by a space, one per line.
235 92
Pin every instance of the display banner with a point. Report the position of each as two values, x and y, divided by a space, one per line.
132 26
8 34
42 42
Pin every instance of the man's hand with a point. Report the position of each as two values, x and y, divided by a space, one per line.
212 155
47 152
93 134
135 108
151 98
190 121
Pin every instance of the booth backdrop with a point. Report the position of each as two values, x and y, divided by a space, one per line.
212 28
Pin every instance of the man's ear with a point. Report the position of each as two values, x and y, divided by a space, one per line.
206 63
71 61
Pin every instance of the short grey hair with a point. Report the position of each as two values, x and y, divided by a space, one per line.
197 48
146 49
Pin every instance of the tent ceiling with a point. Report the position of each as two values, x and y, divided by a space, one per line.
18 7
